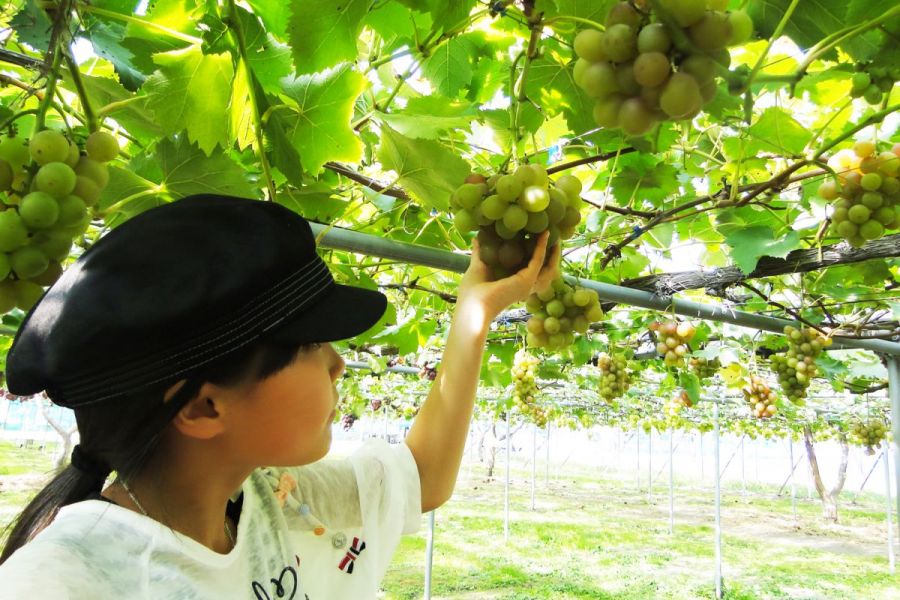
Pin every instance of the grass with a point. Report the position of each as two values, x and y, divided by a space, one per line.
595 536
598 537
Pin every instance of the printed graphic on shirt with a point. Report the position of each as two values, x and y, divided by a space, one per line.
285 586
348 561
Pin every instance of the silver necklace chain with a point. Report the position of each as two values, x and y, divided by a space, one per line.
144 511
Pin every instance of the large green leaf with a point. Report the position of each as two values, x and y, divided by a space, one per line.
449 67
426 169
777 130
274 13
749 245
269 59
32 26
131 113
192 91
551 85
324 33
319 127
813 20
430 116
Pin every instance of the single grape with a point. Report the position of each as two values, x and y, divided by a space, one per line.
741 27
654 38
56 179
680 98
39 210
864 148
13 233
569 184
872 200
620 43
712 32
623 12
634 118
28 261
102 146
685 12
701 67
515 218
508 188
534 199
48 146
628 85
589 45
94 170
578 70
599 80
87 190
493 207
510 254
858 214
828 190
468 195
871 230
27 294
464 221
606 111
652 69
556 208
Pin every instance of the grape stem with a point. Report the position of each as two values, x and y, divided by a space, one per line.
90 117
760 63
562 18
233 22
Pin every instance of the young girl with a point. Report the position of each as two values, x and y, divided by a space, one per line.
192 343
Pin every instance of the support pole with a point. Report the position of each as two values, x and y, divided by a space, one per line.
886 448
671 483
893 367
702 474
547 473
533 461
506 486
793 486
743 471
718 506
637 453
344 239
429 555
650 467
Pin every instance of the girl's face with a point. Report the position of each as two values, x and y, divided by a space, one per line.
285 419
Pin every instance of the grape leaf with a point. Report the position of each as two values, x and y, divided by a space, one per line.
32 26
269 59
191 91
426 169
551 85
106 40
319 128
811 21
449 67
314 201
779 131
275 14
691 384
643 177
133 115
324 33
748 245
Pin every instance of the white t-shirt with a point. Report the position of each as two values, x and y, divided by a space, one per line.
331 537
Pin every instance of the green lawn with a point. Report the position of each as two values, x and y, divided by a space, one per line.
597 537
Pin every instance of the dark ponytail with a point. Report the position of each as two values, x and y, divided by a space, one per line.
122 435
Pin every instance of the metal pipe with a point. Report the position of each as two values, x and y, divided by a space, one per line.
886 451
547 472
506 486
533 462
362 243
893 367
650 467
793 486
671 483
718 505
429 555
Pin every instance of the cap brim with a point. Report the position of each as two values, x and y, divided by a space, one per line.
343 312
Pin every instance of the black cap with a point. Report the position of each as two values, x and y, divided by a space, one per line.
175 288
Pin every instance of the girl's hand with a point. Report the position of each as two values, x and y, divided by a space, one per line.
495 296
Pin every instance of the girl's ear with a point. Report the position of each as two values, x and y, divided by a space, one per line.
201 417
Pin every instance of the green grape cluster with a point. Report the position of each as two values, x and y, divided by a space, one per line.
869 433
761 398
558 313
637 75
872 82
615 378
672 341
866 194
46 188
525 387
673 406
703 368
509 211
797 367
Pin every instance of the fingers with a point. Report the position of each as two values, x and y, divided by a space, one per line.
550 271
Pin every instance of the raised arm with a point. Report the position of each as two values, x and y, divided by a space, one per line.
438 435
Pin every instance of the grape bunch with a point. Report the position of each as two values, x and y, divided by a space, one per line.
428 371
347 421
509 212
376 404
558 313
866 195
636 73
797 367
525 387
873 82
615 379
703 368
672 341
869 433
46 188
674 405
761 398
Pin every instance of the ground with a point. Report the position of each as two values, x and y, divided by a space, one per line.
596 536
